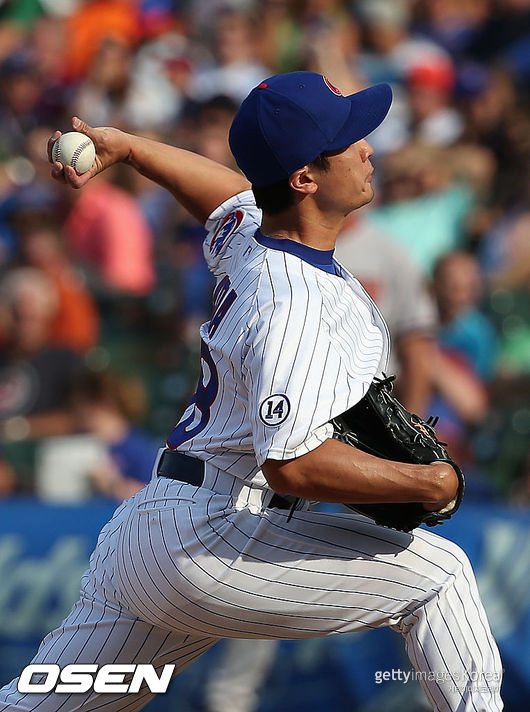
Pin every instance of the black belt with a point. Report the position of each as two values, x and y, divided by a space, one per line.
178 466
184 468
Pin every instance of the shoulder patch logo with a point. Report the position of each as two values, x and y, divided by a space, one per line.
229 225
275 409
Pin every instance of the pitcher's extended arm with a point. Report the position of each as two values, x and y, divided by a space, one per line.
198 183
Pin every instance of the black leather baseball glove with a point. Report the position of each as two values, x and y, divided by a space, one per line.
378 424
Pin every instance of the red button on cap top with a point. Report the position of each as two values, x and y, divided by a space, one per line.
263 85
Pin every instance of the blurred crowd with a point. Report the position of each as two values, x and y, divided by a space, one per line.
102 290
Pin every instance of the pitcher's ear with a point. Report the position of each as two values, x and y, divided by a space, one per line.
302 181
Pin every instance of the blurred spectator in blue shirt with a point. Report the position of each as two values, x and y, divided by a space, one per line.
464 328
464 366
108 406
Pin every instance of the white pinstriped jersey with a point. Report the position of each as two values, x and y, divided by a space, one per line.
293 341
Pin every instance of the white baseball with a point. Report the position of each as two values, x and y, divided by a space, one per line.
76 150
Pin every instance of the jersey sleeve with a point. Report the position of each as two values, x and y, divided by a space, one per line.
229 224
296 380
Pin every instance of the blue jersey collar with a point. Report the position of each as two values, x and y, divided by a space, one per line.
323 259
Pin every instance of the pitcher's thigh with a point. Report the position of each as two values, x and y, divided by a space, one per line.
259 575
97 633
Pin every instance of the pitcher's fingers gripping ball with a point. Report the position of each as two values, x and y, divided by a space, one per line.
76 150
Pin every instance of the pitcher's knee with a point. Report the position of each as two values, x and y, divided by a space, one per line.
448 562
457 555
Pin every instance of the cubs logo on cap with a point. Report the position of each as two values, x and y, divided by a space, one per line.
332 87
290 119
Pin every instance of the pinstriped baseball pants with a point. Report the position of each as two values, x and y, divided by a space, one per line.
177 568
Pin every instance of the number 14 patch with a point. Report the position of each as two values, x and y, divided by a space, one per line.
274 409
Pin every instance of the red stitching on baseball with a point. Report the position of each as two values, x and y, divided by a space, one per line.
78 151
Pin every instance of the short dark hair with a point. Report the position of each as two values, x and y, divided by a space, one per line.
125 393
277 197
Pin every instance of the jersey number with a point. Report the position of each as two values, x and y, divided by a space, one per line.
201 402
223 298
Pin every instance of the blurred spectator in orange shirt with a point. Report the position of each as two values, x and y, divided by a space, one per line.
95 21
34 213
76 323
7 477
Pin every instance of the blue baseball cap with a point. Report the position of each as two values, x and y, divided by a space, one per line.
290 119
